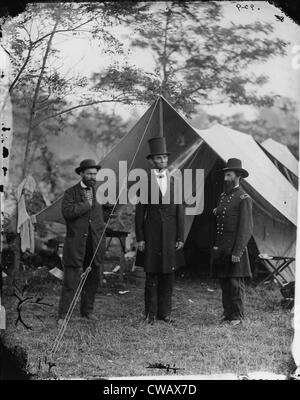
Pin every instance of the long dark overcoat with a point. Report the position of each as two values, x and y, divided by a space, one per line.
79 217
160 226
234 229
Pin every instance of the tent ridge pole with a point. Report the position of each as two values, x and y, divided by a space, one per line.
161 119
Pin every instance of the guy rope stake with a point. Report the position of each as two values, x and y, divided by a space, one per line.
84 276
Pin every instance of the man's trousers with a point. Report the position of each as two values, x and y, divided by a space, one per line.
71 280
158 295
233 293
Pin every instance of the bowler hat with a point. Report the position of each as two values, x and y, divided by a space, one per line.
85 164
234 164
157 146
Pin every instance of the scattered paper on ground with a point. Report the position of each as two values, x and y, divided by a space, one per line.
58 273
116 269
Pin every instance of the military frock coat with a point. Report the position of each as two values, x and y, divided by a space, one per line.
234 227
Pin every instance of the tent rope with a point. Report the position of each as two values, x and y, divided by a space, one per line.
84 276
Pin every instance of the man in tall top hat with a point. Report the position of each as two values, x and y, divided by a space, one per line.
159 231
234 225
85 228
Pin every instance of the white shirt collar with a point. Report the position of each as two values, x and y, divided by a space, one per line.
83 185
236 186
157 172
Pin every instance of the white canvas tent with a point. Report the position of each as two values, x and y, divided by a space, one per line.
282 154
284 160
275 199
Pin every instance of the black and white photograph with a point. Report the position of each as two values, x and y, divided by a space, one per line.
148 198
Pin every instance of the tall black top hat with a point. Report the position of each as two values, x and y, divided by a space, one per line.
234 164
86 164
157 146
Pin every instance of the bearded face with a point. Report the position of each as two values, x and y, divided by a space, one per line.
160 161
230 181
89 176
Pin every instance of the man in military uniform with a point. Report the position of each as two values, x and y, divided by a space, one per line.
159 231
234 225
85 223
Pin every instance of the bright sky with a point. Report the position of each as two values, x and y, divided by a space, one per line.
81 55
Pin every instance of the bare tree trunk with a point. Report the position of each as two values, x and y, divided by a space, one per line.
34 103
30 131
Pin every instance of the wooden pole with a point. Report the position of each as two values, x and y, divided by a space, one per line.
161 118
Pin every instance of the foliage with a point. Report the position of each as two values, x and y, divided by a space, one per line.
187 39
100 130
199 60
43 95
279 122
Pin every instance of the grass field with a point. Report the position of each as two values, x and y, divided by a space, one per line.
121 344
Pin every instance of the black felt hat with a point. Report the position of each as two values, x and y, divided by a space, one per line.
86 164
234 164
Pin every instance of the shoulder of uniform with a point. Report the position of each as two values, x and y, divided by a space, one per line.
244 196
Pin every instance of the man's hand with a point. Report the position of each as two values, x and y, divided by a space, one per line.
235 259
141 245
179 245
86 272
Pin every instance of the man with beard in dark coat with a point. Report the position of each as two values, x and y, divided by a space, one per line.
85 234
159 231
234 224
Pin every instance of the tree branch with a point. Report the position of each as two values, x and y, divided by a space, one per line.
80 106
33 44
34 101
64 30
21 69
28 33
